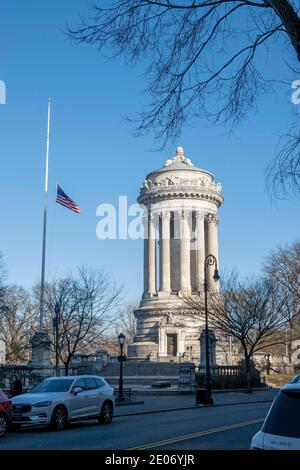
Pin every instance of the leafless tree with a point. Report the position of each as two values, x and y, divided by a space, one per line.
88 303
17 324
3 277
126 322
248 311
16 319
201 58
282 270
283 172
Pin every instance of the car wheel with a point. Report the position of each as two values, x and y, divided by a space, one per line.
59 419
3 425
106 414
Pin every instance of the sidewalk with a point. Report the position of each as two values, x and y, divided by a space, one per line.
160 403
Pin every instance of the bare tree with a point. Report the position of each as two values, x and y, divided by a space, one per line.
246 310
88 303
17 324
282 270
202 60
126 322
3 277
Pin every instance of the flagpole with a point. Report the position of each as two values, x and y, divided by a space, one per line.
42 298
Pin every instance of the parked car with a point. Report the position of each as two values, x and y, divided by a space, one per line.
59 400
281 428
5 413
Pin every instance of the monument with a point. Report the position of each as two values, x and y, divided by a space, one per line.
181 220
40 350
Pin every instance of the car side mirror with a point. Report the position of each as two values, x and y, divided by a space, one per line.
76 390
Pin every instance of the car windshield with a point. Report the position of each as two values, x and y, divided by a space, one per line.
53 385
284 417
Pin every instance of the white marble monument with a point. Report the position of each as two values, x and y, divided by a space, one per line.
181 227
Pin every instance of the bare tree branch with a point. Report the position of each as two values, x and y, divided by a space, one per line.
201 59
125 322
17 324
88 304
283 173
282 271
246 309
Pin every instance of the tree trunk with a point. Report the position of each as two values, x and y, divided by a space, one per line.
285 11
67 368
290 345
248 372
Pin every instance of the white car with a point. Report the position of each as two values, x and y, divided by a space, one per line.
281 428
59 400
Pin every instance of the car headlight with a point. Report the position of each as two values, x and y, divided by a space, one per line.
41 404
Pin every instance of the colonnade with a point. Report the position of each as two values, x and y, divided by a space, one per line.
197 231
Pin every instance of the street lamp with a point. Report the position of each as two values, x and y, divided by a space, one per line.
210 260
56 321
121 339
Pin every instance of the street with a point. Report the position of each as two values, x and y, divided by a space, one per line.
221 427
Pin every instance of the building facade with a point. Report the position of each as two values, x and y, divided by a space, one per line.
181 220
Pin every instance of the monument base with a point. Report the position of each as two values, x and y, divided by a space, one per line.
40 350
142 349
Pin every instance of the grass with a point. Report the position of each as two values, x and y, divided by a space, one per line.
278 380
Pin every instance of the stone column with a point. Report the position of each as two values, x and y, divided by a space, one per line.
165 273
161 340
200 247
151 256
146 257
185 261
212 221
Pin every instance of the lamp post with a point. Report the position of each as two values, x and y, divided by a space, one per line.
210 260
56 321
121 339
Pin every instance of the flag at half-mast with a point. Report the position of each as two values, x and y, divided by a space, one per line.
66 201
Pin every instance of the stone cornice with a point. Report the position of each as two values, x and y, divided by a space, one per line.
148 313
154 195
169 317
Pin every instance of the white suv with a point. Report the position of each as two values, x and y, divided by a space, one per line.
59 400
281 429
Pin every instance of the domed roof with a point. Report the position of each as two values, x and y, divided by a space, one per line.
179 162
180 179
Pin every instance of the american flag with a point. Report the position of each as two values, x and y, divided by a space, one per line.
64 200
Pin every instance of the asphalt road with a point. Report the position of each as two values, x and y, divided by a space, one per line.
223 427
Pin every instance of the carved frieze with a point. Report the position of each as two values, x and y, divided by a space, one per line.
180 183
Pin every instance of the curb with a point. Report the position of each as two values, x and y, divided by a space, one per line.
137 402
162 392
166 410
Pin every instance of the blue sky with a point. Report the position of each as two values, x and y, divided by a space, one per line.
95 159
